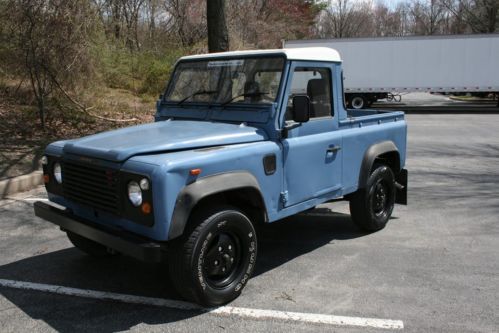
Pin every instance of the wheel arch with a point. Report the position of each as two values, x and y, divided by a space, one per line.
240 189
384 151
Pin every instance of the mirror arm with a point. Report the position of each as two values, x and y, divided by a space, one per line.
285 130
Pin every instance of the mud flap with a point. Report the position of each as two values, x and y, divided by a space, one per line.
401 187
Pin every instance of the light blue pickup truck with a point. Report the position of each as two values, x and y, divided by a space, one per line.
240 139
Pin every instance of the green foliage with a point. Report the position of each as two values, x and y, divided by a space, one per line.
142 72
117 67
158 71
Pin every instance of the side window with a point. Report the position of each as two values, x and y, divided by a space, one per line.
315 82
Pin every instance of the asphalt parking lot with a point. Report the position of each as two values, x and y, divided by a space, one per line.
435 267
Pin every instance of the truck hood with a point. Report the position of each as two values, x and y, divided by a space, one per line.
119 145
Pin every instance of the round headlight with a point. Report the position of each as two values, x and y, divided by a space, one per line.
57 172
144 184
134 193
44 160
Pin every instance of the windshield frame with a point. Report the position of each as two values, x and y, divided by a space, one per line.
170 86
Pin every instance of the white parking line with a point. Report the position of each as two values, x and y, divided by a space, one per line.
7 201
34 199
223 310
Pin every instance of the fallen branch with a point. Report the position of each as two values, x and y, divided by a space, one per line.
86 109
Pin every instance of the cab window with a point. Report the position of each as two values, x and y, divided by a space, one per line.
315 82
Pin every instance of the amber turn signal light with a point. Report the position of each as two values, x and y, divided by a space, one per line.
146 208
46 179
195 172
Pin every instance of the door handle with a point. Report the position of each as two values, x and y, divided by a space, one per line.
333 149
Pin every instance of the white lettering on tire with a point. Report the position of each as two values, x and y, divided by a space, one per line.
201 260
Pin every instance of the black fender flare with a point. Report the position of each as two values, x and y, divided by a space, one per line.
370 156
193 193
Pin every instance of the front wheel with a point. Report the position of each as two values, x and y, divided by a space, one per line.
372 206
213 263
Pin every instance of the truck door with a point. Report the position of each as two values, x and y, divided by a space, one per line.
312 155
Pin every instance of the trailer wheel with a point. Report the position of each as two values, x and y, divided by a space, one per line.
371 207
358 102
212 264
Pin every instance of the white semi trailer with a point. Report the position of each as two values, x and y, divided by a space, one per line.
375 68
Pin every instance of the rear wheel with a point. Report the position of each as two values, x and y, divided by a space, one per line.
89 246
358 102
372 206
213 263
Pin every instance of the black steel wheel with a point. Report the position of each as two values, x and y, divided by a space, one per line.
372 207
223 260
380 198
212 264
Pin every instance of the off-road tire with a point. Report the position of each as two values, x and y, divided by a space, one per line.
216 235
88 246
372 206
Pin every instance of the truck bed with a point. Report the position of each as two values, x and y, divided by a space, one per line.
370 116
363 128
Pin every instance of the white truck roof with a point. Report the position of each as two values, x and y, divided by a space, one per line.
299 53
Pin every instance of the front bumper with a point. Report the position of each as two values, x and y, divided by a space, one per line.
121 241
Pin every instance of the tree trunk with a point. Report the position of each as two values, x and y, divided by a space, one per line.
218 36
152 19
41 111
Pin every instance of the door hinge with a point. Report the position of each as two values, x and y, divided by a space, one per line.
284 197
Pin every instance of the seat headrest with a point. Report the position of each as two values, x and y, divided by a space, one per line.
251 87
316 87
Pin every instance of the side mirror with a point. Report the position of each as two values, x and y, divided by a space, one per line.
301 108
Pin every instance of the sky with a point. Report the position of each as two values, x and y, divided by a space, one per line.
389 3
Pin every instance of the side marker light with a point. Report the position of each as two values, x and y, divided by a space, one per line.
195 172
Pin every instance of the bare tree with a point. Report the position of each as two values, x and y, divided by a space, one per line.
186 19
345 18
131 13
428 17
482 16
152 11
264 23
390 22
50 44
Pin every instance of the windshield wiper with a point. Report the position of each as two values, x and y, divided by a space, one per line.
251 94
199 92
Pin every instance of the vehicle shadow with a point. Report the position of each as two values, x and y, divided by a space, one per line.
284 240
279 243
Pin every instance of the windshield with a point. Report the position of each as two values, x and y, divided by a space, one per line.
226 81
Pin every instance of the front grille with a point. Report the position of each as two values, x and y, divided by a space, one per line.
91 185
